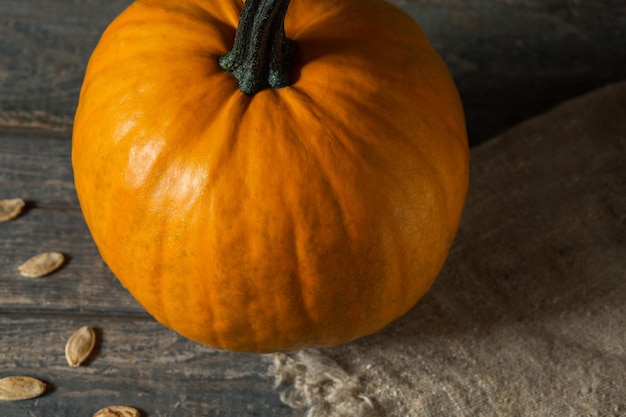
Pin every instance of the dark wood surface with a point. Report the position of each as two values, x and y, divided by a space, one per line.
511 60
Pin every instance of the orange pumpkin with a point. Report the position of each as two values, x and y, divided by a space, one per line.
311 207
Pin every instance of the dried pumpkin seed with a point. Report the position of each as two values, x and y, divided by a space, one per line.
10 209
80 345
42 264
16 388
117 411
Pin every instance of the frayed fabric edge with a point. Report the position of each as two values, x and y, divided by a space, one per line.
311 380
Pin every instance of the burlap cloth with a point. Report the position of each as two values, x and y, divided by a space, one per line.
528 316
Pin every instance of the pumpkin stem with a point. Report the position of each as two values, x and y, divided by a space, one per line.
262 55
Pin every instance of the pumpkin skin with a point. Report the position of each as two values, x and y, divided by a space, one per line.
302 217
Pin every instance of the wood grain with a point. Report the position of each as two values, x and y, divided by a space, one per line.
44 48
136 362
37 169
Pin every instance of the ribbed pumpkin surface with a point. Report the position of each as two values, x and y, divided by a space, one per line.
302 217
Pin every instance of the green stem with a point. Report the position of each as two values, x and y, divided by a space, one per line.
262 55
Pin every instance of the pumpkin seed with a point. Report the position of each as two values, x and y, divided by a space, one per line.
42 264
10 209
80 345
16 388
118 411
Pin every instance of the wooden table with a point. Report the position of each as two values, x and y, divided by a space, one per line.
510 60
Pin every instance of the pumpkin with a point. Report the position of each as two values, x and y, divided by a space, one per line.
270 176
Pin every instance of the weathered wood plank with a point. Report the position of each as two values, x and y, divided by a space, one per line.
37 169
44 48
510 59
137 362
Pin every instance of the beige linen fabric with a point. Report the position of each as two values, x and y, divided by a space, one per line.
528 316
